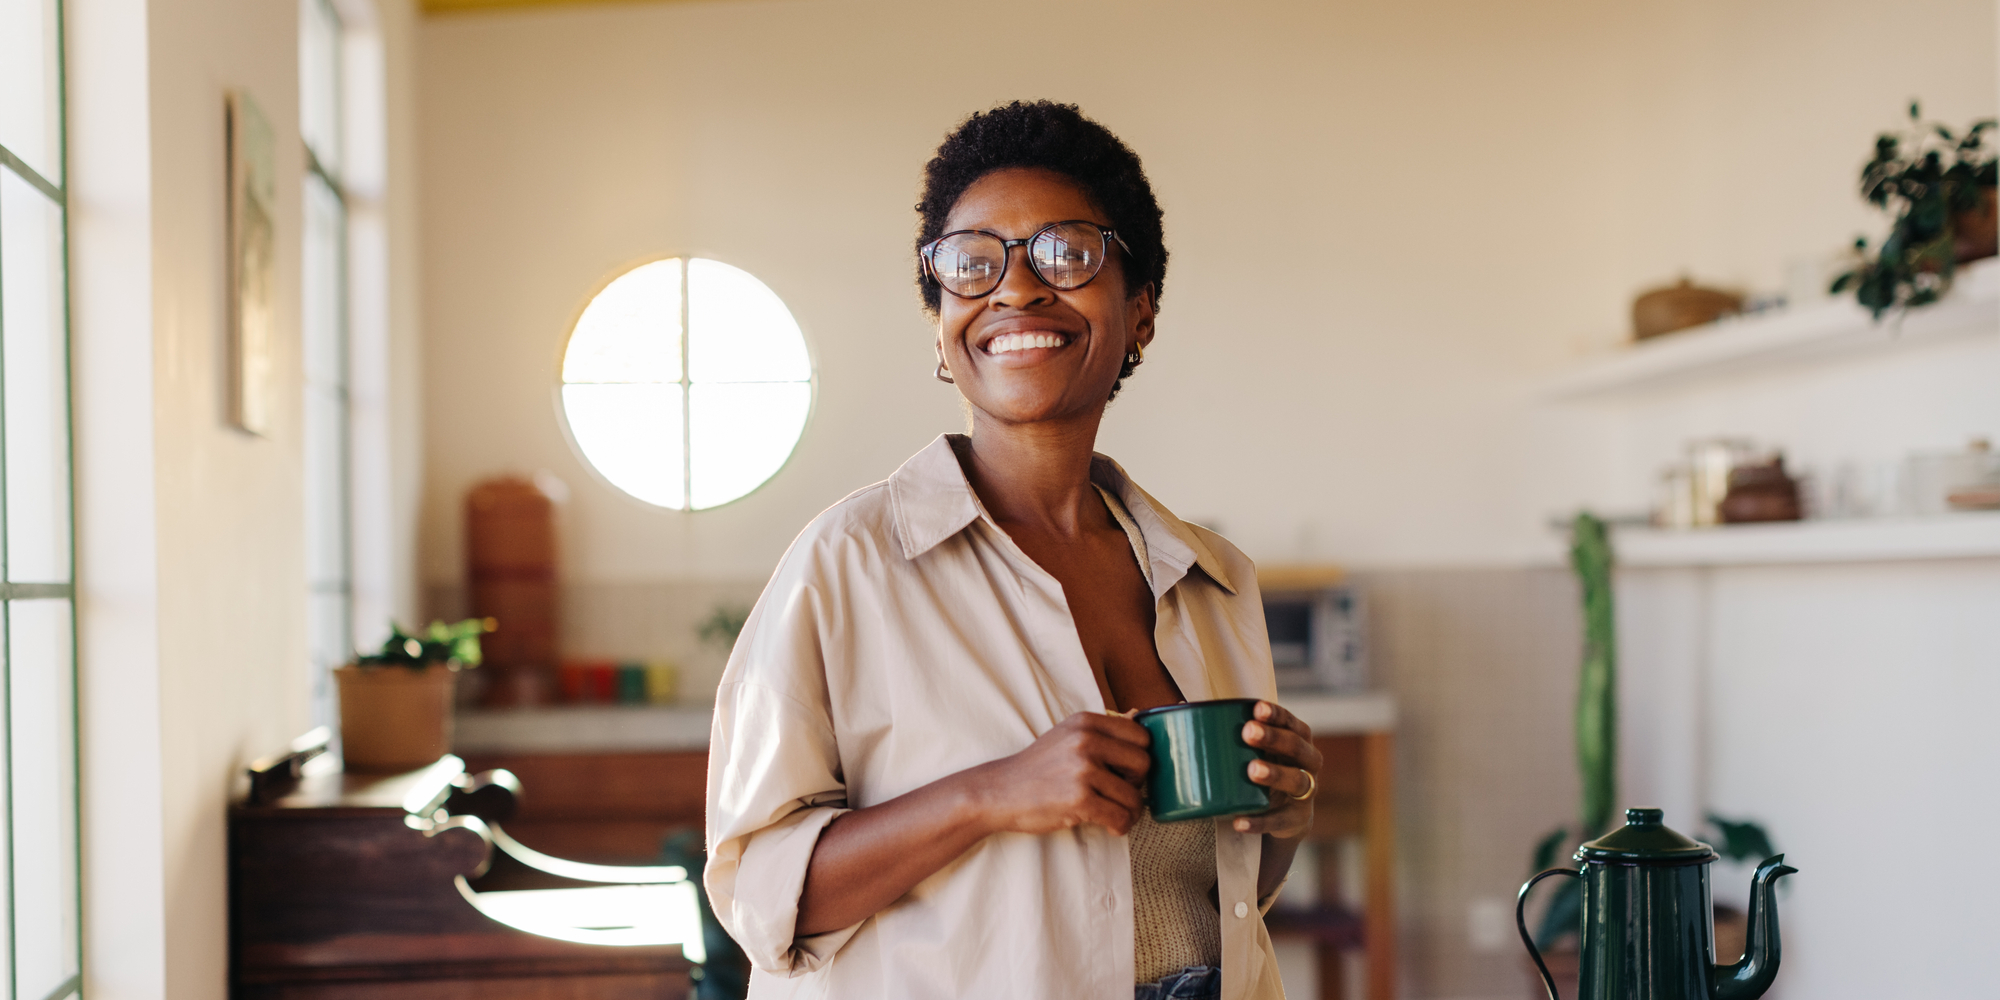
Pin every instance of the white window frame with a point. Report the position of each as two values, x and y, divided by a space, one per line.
13 592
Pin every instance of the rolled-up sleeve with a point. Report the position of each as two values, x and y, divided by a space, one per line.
774 783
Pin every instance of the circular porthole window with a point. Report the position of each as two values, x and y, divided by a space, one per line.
686 383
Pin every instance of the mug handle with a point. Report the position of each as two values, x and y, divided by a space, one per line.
1521 923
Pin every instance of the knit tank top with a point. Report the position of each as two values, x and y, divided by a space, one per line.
1174 920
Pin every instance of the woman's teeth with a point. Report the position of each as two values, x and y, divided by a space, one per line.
1023 341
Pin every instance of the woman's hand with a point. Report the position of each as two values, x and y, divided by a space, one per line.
1289 757
1088 769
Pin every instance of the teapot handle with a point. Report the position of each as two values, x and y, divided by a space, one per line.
1521 922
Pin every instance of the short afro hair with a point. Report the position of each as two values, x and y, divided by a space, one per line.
1055 137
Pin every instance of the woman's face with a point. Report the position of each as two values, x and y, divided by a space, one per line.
1092 328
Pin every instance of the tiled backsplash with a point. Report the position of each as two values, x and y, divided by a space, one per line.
1483 664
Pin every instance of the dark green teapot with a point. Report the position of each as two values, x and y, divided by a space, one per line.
1648 927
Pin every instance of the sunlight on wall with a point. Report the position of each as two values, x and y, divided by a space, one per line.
686 383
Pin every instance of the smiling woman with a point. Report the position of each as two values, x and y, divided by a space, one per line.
925 778
686 383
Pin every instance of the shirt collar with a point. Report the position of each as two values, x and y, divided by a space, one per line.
933 501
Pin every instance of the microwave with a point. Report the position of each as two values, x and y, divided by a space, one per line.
1318 634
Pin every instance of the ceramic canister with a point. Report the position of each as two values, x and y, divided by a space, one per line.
1201 766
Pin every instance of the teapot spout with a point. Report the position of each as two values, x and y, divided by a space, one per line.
1750 977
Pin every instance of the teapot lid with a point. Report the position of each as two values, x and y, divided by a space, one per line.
1645 840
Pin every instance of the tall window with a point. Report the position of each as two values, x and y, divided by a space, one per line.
329 576
39 944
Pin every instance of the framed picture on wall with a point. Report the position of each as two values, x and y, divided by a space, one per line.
253 240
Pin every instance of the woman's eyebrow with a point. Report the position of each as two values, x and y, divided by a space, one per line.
1038 228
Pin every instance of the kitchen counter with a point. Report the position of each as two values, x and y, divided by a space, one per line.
583 729
641 728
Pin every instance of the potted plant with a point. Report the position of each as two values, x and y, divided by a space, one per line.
1939 185
396 704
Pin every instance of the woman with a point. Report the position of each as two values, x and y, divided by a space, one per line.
917 789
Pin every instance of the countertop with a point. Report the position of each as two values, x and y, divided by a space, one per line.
655 728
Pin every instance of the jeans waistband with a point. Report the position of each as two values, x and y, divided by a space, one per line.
1196 982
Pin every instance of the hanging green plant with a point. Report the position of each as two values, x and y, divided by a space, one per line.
1939 186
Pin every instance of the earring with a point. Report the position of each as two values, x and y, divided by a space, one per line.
943 374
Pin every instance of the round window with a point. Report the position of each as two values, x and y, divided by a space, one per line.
686 383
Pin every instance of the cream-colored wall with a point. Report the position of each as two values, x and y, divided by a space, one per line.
1481 190
1349 400
190 533
229 505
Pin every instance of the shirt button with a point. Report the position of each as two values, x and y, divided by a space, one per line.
1242 910
1110 902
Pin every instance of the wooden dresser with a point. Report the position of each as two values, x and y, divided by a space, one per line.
338 890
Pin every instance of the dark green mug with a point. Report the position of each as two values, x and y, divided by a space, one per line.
1201 766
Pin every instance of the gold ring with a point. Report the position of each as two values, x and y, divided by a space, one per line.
1312 785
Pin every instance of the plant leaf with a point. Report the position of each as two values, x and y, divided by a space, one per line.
1545 851
1564 915
1597 683
1742 840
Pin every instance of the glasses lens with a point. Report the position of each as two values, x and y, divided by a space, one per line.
1068 256
969 264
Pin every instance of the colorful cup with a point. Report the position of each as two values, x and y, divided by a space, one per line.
1201 766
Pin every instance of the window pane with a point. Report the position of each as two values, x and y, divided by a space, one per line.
42 755
325 487
319 81
741 434
329 644
631 332
632 435
29 122
741 332
320 297
37 400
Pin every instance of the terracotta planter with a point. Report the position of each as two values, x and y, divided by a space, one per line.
1976 233
393 718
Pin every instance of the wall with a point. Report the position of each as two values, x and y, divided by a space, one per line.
191 561
1846 707
229 504
560 145
1465 197
1549 162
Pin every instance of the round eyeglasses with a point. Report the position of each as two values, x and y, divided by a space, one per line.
1065 255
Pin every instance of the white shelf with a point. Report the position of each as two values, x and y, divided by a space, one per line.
1787 337
1343 714
583 729
1972 535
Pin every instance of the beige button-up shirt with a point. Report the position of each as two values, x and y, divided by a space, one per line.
905 638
